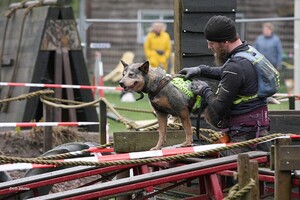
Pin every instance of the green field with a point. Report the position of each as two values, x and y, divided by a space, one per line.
144 104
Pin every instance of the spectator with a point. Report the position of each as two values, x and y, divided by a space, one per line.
157 46
269 45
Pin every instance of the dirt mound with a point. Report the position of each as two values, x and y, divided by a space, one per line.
29 143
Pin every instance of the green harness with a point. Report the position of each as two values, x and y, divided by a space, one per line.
183 85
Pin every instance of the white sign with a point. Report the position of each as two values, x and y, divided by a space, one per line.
104 45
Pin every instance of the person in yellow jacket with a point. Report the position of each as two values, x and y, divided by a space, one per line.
157 46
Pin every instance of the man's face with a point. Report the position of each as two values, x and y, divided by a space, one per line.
220 52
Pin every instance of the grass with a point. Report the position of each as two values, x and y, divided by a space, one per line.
144 104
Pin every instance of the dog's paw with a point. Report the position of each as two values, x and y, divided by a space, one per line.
186 144
155 148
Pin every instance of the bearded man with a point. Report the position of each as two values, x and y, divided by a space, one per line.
243 115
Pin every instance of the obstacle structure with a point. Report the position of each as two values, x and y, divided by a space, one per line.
195 174
40 44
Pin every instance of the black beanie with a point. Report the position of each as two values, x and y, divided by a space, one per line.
219 29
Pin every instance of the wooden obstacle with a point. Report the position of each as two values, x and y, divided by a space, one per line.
41 45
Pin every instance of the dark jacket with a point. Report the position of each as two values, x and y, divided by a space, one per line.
237 77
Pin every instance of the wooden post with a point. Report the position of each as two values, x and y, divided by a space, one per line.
282 178
178 4
103 121
58 71
292 103
48 117
254 193
243 173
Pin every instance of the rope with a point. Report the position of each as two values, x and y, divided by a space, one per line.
133 110
235 193
7 159
28 96
45 100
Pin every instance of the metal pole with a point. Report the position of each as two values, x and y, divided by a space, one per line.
297 52
82 26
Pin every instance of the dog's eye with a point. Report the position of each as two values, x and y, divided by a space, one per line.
131 75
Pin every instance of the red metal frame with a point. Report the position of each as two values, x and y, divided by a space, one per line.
172 178
209 186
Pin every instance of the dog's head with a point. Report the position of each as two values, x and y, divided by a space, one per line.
134 76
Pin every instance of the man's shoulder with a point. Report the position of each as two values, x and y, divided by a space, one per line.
237 64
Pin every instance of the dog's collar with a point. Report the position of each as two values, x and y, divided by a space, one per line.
161 85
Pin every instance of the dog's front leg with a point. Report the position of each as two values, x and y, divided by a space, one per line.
187 125
162 119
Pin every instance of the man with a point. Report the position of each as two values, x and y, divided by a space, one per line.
269 45
243 115
157 46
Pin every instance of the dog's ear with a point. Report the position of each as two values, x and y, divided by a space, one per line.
144 67
124 63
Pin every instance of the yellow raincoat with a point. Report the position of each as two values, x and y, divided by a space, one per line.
161 42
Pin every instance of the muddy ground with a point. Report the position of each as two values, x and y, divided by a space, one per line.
29 144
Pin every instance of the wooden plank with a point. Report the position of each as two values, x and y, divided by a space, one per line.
282 178
191 60
80 77
211 6
285 123
132 141
285 112
289 157
195 43
41 72
68 81
177 35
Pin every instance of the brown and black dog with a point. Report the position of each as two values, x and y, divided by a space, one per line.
164 97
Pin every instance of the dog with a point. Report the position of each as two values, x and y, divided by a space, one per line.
164 97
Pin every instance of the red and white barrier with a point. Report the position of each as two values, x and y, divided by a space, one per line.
43 124
98 157
42 85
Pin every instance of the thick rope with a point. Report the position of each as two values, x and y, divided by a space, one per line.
49 103
235 193
7 159
28 96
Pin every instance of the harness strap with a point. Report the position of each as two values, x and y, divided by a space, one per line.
161 85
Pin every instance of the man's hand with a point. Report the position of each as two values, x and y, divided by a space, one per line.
190 72
199 87
160 52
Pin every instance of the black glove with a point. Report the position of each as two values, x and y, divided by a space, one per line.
190 72
199 87
160 52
